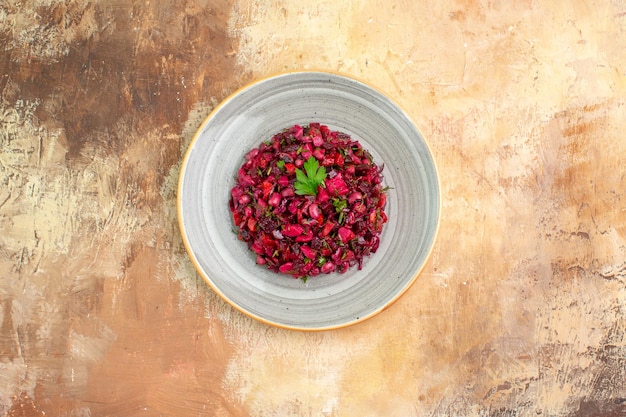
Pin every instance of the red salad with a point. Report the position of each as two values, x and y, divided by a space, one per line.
309 201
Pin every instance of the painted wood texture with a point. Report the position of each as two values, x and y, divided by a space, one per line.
520 311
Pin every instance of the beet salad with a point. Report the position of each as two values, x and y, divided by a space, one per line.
309 201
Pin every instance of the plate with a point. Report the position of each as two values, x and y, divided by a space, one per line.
252 115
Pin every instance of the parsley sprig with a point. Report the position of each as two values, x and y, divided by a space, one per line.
306 184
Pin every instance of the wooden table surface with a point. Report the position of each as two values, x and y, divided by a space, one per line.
521 310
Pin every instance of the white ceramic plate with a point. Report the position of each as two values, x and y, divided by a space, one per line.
252 115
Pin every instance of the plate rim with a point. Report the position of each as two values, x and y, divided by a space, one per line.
182 228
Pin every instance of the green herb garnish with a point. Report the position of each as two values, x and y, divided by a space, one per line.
315 175
339 204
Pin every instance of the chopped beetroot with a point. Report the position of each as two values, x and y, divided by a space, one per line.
293 230
314 211
345 234
336 186
355 196
327 268
274 200
309 201
307 251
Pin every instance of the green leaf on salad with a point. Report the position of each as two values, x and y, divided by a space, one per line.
306 184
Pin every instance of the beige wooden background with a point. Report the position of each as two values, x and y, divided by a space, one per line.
520 311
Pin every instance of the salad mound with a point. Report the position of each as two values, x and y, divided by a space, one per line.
309 201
